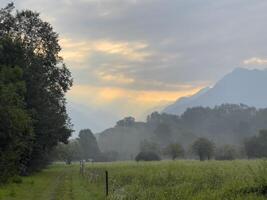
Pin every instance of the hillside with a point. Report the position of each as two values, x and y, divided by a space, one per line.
240 86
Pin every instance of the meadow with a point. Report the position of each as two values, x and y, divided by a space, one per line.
240 179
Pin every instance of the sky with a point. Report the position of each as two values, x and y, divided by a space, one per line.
130 57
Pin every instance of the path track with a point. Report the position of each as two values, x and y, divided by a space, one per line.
55 183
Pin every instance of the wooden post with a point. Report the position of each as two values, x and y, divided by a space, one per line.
80 167
106 183
83 168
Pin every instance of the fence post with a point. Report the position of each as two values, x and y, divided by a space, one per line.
83 167
106 172
80 167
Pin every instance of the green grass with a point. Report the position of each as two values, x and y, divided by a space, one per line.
58 182
146 181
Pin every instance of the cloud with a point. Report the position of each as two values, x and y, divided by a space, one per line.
130 51
124 101
78 52
255 61
120 79
177 38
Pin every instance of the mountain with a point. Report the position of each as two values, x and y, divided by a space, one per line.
241 86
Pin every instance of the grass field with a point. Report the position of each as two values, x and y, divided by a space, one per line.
152 180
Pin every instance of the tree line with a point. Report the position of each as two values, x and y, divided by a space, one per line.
230 127
205 149
84 147
33 83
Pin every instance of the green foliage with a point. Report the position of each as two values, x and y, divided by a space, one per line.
88 145
147 156
33 82
163 134
68 152
225 124
256 146
175 150
147 146
226 152
85 147
16 133
203 148
126 122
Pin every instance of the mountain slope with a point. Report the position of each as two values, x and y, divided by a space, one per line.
240 86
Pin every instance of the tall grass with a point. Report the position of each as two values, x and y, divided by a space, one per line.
164 180
184 180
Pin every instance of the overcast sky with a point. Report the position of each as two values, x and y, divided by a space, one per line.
130 56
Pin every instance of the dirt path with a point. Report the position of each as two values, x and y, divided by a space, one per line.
63 188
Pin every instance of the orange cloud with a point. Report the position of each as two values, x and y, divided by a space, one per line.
119 78
78 51
126 102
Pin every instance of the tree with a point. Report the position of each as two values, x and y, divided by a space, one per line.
147 156
146 146
226 152
203 148
154 118
46 79
163 134
68 152
88 144
256 146
16 130
175 150
126 122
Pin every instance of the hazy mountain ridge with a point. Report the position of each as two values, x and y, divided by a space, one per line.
240 86
226 113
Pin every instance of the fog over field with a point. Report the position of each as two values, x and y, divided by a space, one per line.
133 99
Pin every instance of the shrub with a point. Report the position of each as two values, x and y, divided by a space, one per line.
147 156
226 152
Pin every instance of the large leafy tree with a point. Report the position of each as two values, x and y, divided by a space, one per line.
203 148
46 79
88 145
16 134
68 152
175 150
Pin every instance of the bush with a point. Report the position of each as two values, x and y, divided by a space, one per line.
147 156
226 152
17 179
256 146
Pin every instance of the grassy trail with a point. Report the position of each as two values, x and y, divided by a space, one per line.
58 182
